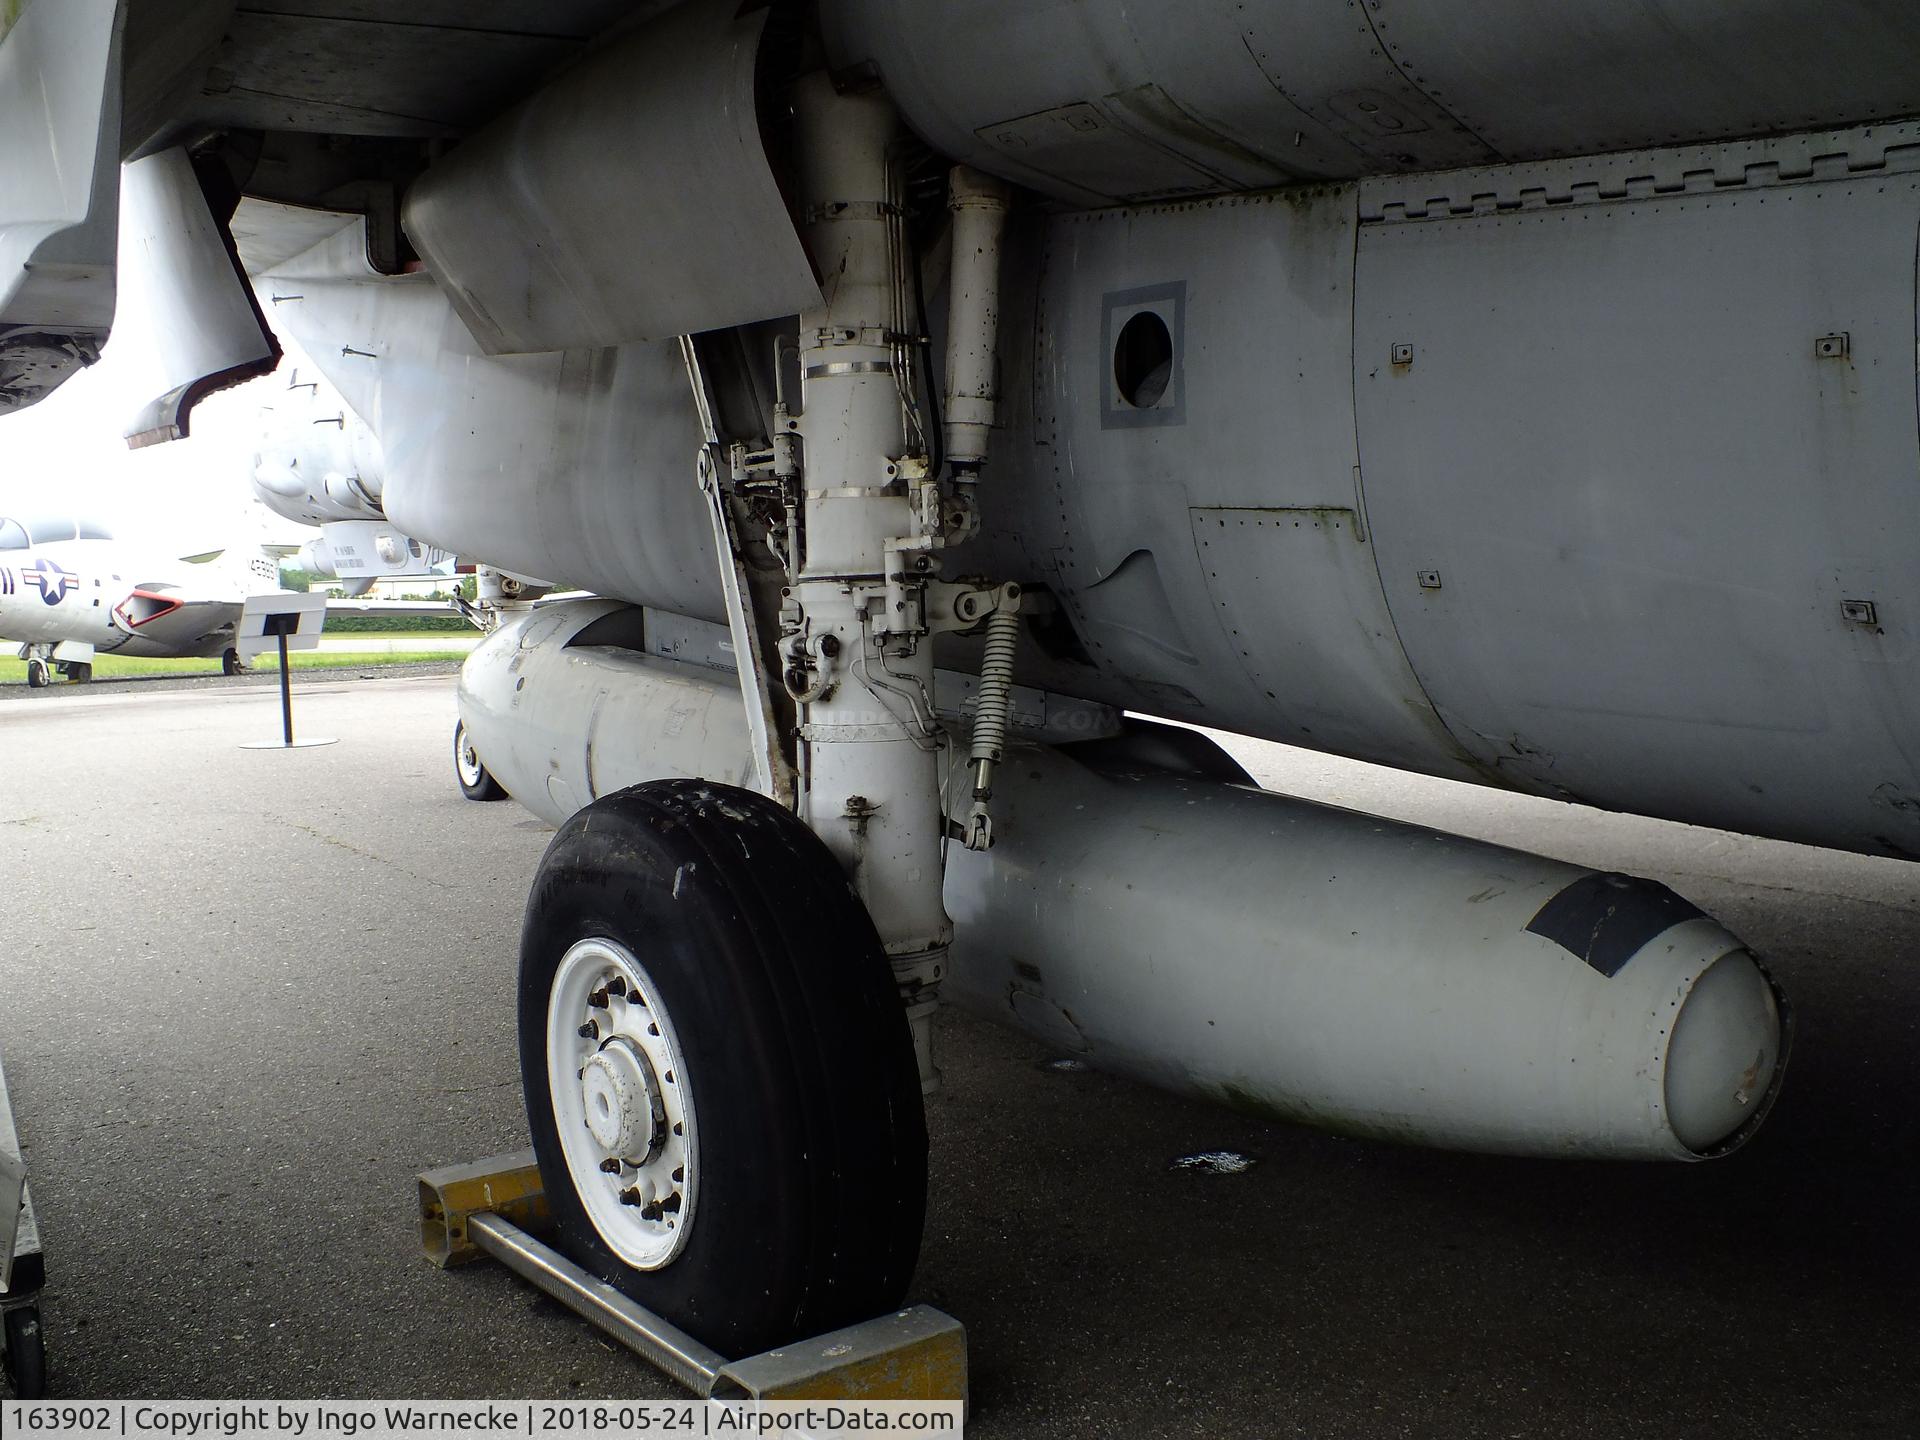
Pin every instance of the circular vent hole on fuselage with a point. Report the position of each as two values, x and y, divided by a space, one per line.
1143 360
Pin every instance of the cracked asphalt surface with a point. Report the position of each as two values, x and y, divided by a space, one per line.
245 996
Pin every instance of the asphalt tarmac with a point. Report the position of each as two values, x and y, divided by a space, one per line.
245 996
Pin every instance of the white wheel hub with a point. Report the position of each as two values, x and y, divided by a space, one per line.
468 760
621 1103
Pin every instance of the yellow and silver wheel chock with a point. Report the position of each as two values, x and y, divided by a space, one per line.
490 1206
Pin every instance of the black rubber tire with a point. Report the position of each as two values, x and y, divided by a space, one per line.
230 663
39 676
26 1353
806 1093
486 788
80 672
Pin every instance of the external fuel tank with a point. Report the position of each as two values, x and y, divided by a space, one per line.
1148 910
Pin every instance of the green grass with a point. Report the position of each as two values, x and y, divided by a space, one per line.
124 667
414 632
398 624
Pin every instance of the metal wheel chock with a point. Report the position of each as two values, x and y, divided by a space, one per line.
489 1208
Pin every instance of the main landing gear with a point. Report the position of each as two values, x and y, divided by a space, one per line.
42 666
41 669
231 663
716 1060
725 1004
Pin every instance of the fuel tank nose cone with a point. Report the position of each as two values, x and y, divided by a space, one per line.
1725 1057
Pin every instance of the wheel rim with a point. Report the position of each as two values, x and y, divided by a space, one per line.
466 759
621 1103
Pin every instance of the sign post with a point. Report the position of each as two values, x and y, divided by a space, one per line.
292 622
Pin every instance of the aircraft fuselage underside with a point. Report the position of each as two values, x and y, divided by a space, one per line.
1558 476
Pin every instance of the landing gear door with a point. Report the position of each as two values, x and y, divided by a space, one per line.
59 190
542 244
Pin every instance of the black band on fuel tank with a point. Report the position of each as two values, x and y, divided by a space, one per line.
1607 919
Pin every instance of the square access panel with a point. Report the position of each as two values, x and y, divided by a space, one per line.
1143 357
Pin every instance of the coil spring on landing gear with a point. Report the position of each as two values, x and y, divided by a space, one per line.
990 720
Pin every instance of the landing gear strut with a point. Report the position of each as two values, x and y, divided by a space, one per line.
725 1005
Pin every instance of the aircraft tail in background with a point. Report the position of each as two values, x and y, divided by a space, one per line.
249 567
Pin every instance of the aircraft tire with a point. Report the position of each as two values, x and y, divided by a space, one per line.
26 1353
476 781
80 672
230 663
39 676
773 1009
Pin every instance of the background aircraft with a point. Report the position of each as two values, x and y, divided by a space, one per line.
1521 394
69 590
318 464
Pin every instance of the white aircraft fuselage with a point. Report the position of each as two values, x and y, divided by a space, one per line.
101 594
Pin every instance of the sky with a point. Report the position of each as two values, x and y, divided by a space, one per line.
68 452
182 498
